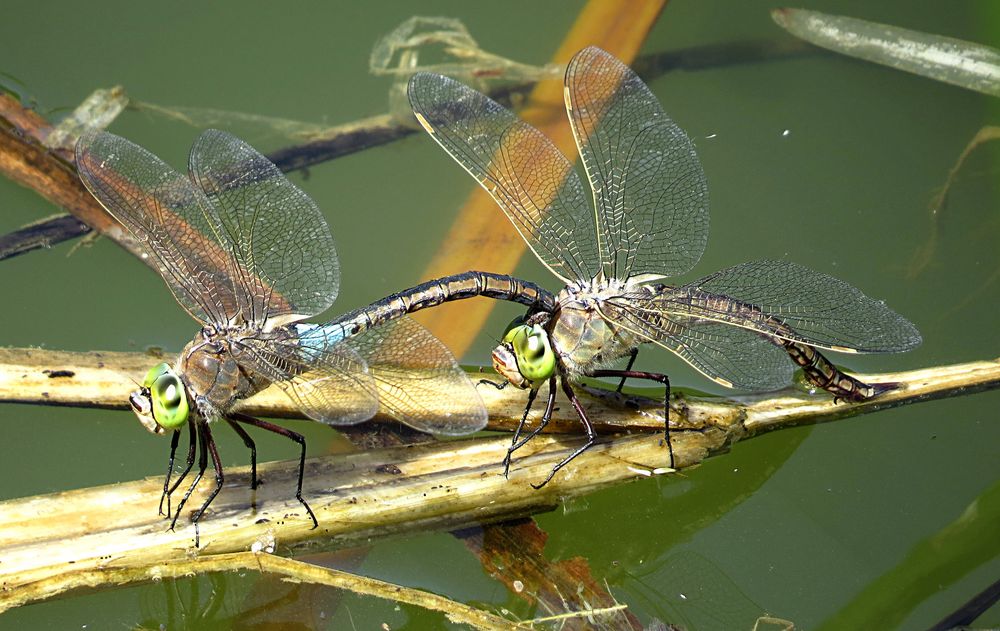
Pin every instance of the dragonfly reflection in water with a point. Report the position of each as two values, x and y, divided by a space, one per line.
649 221
249 256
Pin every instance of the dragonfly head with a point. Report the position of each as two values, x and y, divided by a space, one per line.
161 402
525 356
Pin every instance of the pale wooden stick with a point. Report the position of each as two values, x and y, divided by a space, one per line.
375 493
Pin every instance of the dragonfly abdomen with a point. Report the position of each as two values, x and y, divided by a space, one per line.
821 372
447 289
698 306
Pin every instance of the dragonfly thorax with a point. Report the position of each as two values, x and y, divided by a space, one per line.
212 374
582 338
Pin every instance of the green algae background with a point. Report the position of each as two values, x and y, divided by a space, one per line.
820 160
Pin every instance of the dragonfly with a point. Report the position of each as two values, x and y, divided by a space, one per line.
249 256
648 221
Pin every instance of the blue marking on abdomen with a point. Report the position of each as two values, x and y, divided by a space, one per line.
320 336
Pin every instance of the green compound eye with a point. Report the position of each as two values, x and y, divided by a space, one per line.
170 404
515 323
535 360
155 372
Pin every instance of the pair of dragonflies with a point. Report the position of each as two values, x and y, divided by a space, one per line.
249 256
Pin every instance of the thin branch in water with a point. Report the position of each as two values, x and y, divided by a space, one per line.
584 616
331 142
970 611
270 564
652 66
25 159
378 130
44 233
939 202
958 62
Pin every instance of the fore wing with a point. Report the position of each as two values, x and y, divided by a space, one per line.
813 308
730 325
418 380
323 375
649 188
236 242
519 167
731 356
275 233
168 215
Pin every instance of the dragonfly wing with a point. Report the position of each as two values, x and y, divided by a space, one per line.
276 234
732 356
324 375
419 382
649 188
519 167
168 215
816 309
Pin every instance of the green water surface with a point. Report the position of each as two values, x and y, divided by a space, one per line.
820 160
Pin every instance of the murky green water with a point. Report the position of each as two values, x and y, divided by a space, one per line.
820 160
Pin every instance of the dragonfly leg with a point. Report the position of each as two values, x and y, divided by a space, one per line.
202 465
219 477
498 385
192 444
174 440
591 436
290 435
517 432
251 446
550 405
632 354
652 376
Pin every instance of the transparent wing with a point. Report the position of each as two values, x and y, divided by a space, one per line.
649 188
323 375
169 216
813 308
275 233
419 382
238 244
728 325
518 166
732 356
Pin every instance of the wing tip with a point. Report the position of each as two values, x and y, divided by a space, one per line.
721 381
843 349
423 122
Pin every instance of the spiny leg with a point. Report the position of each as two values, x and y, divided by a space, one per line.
192 443
517 432
546 417
289 434
202 465
632 354
652 376
498 385
591 436
174 440
217 465
251 446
